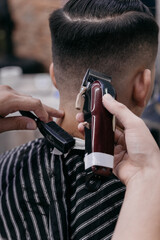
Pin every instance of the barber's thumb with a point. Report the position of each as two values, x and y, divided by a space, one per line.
17 123
108 101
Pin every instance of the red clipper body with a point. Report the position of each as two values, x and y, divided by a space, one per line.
100 124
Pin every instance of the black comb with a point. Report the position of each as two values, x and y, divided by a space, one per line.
54 134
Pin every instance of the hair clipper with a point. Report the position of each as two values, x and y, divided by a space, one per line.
100 124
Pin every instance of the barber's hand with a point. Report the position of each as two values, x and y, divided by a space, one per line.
12 101
136 152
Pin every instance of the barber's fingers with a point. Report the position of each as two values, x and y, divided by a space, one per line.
80 120
81 128
12 101
29 104
17 123
122 113
51 111
137 136
32 104
80 117
54 112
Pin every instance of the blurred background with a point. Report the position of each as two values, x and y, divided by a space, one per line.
25 56
24 33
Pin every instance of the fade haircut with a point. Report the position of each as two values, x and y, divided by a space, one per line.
111 36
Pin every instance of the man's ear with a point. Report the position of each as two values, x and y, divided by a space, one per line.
51 71
142 88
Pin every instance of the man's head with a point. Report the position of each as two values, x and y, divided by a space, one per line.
116 37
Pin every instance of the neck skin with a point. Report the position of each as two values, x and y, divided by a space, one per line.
69 123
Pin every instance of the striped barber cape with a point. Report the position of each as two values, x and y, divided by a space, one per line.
43 196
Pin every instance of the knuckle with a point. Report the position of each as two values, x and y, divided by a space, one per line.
6 87
38 103
121 107
8 96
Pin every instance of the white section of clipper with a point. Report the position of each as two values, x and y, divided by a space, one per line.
98 159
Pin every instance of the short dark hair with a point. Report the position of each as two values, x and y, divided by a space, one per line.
103 35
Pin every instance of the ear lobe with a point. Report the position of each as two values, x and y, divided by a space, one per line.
142 88
51 71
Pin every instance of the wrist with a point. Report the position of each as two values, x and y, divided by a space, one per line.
147 173
140 208
145 183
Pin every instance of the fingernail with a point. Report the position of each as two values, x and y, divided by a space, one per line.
61 111
108 97
31 126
